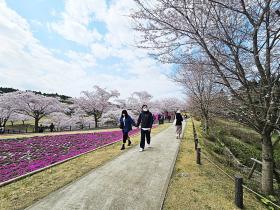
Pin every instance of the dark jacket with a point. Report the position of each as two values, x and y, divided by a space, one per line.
146 120
126 125
179 119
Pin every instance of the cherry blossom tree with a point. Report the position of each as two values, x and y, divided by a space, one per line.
60 120
167 106
23 118
7 107
241 40
36 106
171 104
95 103
121 103
136 101
13 118
112 116
201 87
81 118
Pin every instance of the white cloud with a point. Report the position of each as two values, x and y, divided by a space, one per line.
74 31
24 62
85 60
100 51
76 18
118 23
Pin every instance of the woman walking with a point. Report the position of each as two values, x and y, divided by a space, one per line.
126 123
179 120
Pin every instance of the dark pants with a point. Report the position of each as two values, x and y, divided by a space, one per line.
147 135
125 136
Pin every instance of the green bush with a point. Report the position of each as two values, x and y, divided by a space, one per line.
243 141
213 145
242 151
217 148
211 137
239 131
277 156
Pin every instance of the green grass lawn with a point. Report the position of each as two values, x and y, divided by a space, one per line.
23 193
20 127
199 187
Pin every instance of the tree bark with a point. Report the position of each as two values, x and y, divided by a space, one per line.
36 125
267 164
205 117
206 124
4 123
96 121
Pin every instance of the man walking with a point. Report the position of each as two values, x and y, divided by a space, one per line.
146 121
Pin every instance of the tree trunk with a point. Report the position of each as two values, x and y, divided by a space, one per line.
22 122
36 125
96 121
267 164
12 123
206 123
4 122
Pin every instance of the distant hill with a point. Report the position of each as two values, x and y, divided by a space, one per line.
7 90
62 97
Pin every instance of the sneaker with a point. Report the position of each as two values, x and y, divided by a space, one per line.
129 143
141 150
148 145
123 147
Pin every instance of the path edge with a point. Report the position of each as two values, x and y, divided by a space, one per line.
84 175
167 183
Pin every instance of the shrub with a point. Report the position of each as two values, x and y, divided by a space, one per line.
239 131
211 137
244 152
217 148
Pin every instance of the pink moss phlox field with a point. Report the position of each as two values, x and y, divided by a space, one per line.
21 156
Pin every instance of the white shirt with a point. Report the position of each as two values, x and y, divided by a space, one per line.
123 121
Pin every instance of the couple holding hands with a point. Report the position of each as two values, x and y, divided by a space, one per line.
146 121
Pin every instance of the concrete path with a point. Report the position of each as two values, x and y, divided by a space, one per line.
134 180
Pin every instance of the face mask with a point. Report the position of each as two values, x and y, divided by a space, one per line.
145 109
123 115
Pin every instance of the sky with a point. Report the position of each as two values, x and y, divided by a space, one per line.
68 46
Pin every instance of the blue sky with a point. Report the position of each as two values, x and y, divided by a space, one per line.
70 46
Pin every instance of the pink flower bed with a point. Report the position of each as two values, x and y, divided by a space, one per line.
19 157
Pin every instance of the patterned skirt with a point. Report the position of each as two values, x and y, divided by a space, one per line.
179 129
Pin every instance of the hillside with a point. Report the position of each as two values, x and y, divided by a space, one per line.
9 90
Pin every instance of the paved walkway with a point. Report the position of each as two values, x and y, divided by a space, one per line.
134 180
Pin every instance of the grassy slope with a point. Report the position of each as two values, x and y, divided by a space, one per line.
201 186
240 138
24 192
